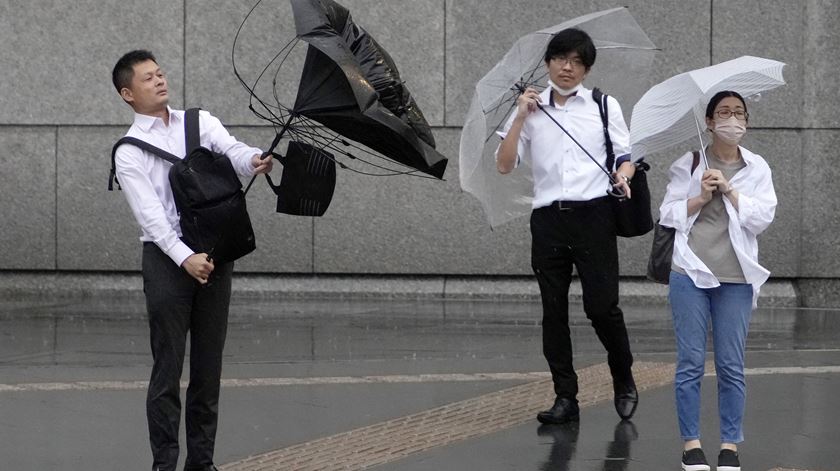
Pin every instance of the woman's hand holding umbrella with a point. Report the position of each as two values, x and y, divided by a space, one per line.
712 180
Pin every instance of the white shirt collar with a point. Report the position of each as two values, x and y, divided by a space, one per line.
749 157
548 97
145 122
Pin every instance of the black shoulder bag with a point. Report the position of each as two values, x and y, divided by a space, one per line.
208 195
662 247
632 215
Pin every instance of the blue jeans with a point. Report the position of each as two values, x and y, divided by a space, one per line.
729 307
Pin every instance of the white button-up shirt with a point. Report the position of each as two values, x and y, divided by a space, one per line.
561 170
756 209
144 177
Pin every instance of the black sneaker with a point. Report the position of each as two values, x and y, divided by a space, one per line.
694 460
728 461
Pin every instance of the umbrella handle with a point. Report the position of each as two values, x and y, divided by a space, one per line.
617 192
262 157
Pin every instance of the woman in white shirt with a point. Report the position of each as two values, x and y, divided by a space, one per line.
717 213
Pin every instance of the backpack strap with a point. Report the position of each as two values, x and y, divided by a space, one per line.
601 99
695 161
191 131
141 144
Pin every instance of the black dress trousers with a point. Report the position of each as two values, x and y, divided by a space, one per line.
177 304
583 237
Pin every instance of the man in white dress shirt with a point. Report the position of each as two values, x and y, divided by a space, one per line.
185 291
572 222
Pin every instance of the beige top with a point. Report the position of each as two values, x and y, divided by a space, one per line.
709 236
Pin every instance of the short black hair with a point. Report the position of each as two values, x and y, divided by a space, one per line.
572 40
719 96
124 69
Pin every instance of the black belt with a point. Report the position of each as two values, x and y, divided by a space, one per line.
566 205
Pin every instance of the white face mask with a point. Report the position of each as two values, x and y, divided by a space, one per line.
730 130
564 91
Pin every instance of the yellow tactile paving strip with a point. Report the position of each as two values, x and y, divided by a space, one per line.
397 438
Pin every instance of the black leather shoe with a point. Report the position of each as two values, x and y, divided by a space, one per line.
626 399
564 410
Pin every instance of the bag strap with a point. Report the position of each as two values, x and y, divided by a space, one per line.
695 161
141 144
191 131
601 99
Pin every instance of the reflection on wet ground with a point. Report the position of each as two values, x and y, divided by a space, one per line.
109 333
564 440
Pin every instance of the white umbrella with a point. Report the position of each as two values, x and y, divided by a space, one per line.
673 110
624 56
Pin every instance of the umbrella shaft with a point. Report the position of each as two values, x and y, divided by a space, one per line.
270 150
280 135
612 180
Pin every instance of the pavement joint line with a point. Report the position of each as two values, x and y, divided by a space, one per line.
791 370
443 425
382 379
274 382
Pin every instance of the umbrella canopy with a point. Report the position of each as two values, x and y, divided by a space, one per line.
351 109
351 85
623 51
673 110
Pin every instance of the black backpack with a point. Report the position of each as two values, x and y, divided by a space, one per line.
208 195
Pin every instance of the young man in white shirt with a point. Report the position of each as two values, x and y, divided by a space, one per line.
572 222
180 296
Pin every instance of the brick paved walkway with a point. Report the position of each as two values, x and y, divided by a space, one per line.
397 438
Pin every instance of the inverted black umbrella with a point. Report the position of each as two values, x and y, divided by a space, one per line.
349 90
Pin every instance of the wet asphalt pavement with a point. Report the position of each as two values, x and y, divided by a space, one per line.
72 390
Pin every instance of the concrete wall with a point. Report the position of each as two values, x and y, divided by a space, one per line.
59 116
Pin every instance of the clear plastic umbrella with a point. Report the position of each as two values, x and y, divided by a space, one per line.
624 56
673 110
